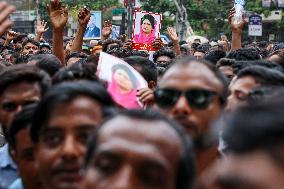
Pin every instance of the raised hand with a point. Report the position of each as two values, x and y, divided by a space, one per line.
146 96
158 43
173 34
107 29
5 11
84 17
128 44
11 35
236 28
58 14
41 27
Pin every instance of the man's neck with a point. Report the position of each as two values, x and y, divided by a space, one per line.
206 157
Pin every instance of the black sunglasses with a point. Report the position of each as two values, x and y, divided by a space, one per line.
196 98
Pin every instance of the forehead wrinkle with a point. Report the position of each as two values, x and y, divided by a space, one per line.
194 74
165 138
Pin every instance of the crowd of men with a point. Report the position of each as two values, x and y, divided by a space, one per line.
212 115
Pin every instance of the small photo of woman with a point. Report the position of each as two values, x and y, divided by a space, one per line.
146 27
123 86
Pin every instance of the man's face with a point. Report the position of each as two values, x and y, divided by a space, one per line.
30 49
24 158
192 76
62 142
254 170
199 55
14 98
132 153
163 61
239 90
227 71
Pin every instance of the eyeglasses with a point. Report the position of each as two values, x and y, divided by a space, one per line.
196 98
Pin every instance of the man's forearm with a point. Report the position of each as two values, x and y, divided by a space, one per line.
58 49
78 41
177 48
236 41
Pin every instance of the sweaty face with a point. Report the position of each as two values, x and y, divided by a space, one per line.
239 90
254 170
30 49
24 158
146 26
187 77
14 98
134 154
123 80
62 142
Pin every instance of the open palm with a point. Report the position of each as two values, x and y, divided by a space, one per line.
58 14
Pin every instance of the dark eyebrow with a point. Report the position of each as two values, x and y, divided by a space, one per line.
86 127
233 182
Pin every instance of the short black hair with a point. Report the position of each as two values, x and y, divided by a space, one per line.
150 18
240 65
64 93
149 70
244 54
107 42
47 62
164 52
28 40
20 38
280 54
225 62
186 169
22 120
186 60
214 56
256 127
24 73
263 76
77 71
76 54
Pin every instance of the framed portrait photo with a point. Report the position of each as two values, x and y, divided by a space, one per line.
94 27
146 28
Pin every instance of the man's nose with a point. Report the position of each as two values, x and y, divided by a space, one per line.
124 179
182 107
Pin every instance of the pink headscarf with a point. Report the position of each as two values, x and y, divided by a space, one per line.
126 100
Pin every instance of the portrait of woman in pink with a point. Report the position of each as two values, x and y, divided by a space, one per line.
147 30
123 87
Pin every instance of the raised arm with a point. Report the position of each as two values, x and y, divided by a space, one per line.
40 29
83 19
58 16
11 35
237 30
175 39
5 11
107 29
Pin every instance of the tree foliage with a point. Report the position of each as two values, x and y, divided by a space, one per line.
75 5
212 13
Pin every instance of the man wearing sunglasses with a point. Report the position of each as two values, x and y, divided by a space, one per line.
192 92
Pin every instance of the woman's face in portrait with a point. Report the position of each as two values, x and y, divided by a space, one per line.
146 26
123 80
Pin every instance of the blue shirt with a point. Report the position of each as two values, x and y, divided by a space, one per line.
17 184
8 169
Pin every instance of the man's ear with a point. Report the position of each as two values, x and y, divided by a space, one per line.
12 153
152 84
